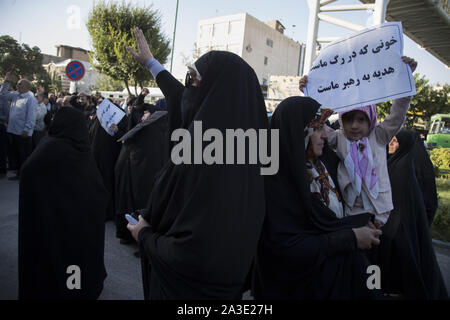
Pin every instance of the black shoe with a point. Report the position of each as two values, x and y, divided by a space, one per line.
125 241
13 178
137 254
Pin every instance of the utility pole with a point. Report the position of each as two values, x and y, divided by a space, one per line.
173 40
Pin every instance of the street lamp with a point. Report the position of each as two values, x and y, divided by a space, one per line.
173 40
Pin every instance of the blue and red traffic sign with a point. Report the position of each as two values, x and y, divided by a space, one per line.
75 70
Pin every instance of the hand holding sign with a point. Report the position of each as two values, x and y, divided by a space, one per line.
109 116
411 62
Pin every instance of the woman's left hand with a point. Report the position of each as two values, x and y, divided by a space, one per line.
411 62
134 229
378 224
114 128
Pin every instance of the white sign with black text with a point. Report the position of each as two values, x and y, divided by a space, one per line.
108 113
364 68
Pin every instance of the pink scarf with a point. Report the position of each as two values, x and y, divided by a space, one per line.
359 161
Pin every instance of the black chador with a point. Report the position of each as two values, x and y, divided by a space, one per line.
105 150
145 149
406 256
62 208
205 220
425 177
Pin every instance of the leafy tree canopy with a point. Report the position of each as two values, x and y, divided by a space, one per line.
111 28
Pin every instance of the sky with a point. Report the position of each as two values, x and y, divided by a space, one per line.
46 23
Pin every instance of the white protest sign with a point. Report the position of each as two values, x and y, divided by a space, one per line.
108 113
364 68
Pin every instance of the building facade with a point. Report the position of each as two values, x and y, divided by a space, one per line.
262 45
56 65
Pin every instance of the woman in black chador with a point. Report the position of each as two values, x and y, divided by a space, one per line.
105 150
425 177
406 256
308 249
145 149
62 208
204 220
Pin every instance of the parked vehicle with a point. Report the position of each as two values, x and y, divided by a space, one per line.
439 134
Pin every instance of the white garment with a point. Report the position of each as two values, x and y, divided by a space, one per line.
41 111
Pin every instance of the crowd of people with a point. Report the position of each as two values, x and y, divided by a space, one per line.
342 199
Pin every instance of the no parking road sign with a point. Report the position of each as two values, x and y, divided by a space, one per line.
75 70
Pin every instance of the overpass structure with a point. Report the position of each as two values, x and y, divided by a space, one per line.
427 22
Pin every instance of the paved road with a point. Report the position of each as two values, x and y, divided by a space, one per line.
123 268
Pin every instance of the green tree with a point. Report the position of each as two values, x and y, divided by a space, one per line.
55 82
23 61
111 29
106 83
427 102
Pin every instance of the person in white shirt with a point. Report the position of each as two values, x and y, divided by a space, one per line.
22 117
39 127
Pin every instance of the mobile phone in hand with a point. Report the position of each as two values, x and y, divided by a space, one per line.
130 219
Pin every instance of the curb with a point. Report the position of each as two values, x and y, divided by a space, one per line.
441 244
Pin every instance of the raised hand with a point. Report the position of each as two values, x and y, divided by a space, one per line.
8 76
144 52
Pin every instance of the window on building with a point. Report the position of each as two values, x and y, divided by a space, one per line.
266 60
269 42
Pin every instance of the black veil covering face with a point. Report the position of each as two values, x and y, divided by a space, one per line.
305 251
406 256
144 151
62 207
205 220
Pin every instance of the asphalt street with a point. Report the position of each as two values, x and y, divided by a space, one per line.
124 270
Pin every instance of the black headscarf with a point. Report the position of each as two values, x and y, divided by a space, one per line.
65 125
425 177
406 256
205 220
305 251
150 107
62 207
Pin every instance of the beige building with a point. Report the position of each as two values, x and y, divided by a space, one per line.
280 88
262 45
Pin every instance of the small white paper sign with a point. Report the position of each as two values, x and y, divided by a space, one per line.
108 113
364 68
